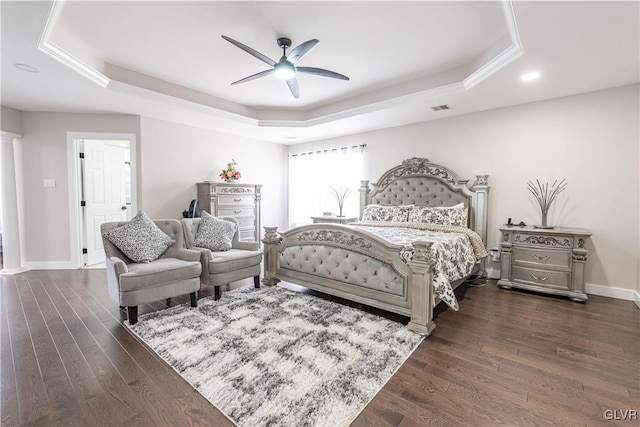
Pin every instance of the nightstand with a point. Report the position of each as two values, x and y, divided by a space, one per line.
333 219
544 260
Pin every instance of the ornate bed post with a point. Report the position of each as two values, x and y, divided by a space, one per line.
421 289
364 195
579 257
506 247
271 241
481 188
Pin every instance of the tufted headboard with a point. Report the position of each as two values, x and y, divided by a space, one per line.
418 182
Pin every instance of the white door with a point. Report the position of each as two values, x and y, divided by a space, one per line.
104 193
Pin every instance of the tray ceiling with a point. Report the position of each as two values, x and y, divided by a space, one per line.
168 60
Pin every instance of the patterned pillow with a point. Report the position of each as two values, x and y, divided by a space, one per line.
214 233
459 205
453 216
386 213
140 239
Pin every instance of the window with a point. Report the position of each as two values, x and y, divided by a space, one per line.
313 175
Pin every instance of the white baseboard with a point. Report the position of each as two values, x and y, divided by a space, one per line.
50 265
12 271
592 289
611 292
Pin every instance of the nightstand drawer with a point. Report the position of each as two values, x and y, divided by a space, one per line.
540 257
561 242
546 278
333 219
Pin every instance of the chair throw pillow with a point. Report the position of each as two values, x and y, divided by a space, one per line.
214 233
140 239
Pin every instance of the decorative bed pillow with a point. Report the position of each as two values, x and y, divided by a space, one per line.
459 205
140 239
386 213
452 216
214 233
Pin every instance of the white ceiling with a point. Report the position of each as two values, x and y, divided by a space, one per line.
167 60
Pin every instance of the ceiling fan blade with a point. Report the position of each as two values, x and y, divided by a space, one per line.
294 87
301 50
255 76
253 52
321 72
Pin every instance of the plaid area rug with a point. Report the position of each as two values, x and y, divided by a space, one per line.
275 357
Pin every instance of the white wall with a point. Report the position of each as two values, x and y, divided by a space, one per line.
589 139
10 120
175 157
171 158
44 156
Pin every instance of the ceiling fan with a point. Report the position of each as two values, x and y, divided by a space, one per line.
285 68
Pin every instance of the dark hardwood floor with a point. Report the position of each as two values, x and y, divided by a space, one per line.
507 357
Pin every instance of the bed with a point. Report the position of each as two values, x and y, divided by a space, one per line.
385 260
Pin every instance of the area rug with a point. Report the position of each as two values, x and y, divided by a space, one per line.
275 357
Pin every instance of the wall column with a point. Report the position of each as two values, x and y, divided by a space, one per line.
12 258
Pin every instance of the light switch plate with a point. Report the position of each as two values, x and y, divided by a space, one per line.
49 183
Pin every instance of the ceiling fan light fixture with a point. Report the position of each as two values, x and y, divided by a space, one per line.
284 70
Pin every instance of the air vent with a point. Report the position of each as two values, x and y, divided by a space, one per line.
441 107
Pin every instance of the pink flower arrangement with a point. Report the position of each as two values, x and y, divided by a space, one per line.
231 172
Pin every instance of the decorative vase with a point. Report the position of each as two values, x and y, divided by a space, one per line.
543 222
340 196
232 180
545 194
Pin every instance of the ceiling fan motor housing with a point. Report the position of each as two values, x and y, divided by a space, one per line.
284 42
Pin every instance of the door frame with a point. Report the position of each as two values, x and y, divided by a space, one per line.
73 173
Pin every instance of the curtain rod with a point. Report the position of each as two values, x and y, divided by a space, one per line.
327 150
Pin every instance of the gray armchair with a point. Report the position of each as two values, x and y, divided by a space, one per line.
220 268
176 272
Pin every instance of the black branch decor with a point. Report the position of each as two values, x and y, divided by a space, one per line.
545 194
341 196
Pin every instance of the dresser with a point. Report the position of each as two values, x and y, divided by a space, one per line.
241 201
550 261
332 219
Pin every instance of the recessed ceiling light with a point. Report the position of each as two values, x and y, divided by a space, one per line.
530 76
26 67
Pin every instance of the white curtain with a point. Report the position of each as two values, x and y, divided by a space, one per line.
312 176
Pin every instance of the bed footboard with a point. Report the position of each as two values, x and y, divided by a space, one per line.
355 265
